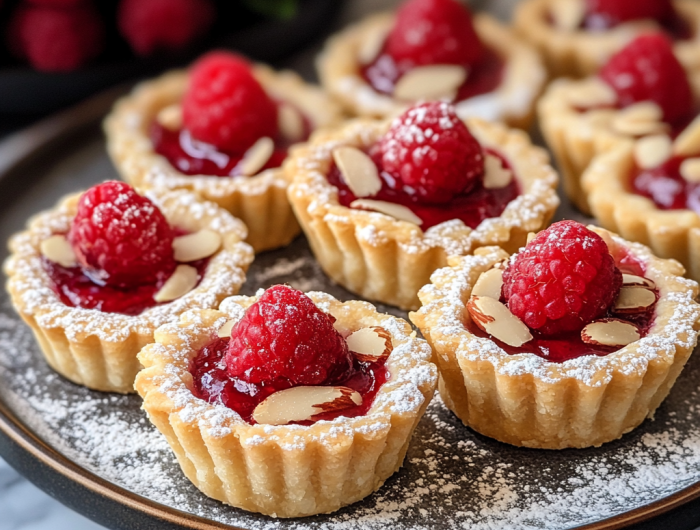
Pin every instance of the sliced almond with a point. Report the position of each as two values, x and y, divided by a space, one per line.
257 156
634 299
290 122
496 319
198 245
370 345
567 14
372 44
639 119
59 250
652 151
302 403
224 331
399 211
530 237
495 175
489 284
633 279
170 117
610 332
358 170
688 142
430 82
690 169
593 92
181 282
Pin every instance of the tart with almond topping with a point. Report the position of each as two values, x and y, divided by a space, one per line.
577 37
643 91
287 404
383 203
571 342
221 129
95 276
429 50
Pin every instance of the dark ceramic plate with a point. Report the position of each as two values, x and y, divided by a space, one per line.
98 454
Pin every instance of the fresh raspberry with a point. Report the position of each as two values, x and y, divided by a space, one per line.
434 32
169 25
62 4
647 70
562 280
284 339
602 14
225 105
432 153
54 39
121 238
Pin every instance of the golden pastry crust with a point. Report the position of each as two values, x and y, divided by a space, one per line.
512 102
98 349
385 259
259 201
527 401
285 470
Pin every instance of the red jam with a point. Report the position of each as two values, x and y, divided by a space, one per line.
569 346
213 384
485 76
471 208
666 187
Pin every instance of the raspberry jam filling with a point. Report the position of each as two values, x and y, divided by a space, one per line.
471 208
665 186
213 384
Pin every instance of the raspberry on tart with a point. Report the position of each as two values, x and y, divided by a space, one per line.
433 50
98 274
319 382
567 382
222 129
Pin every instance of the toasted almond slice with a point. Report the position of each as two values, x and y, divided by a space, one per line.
495 175
430 82
59 250
198 245
290 122
496 319
170 117
399 211
302 403
591 92
567 14
530 237
634 299
639 119
652 151
610 332
690 169
370 345
257 156
358 170
633 279
224 331
181 282
489 284
688 142
372 44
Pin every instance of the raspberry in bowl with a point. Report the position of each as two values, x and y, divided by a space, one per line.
221 129
433 50
95 276
571 342
383 203
289 381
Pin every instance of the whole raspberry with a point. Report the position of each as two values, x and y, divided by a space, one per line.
225 105
432 153
562 280
647 70
284 339
64 4
121 238
602 14
55 39
169 25
434 32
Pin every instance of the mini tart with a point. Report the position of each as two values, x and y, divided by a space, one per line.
260 201
528 401
513 102
285 470
580 52
386 259
98 349
576 136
